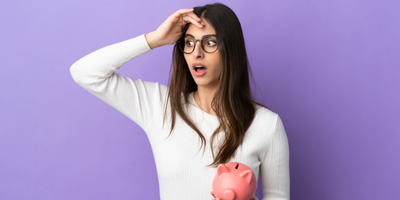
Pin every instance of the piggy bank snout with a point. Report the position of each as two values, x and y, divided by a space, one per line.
229 194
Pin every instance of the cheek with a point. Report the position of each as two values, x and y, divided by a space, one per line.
217 61
187 59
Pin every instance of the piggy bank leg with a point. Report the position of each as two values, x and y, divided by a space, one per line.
229 194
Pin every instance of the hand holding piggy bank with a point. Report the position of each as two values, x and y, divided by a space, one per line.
234 181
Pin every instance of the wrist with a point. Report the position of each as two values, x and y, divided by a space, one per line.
152 40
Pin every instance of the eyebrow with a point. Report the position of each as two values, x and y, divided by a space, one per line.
189 35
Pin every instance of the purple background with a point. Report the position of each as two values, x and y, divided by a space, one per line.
329 69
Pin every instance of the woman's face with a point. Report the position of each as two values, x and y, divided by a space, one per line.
211 63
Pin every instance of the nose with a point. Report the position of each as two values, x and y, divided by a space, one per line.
198 52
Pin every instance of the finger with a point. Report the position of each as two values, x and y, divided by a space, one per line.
191 14
212 193
176 16
182 12
188 19
185 10
194 16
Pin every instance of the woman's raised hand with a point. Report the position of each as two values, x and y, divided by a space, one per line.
171 29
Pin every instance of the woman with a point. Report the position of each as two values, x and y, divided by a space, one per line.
206 116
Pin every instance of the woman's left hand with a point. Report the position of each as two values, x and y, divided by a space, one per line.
215 198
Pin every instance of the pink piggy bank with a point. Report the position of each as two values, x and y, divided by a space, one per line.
234 181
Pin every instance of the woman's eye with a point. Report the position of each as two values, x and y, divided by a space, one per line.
211 43
189 43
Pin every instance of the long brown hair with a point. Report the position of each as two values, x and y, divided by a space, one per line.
232 102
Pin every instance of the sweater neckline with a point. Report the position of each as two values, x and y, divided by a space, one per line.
194 103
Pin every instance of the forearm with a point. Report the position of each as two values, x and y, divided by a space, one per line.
135 99
93 69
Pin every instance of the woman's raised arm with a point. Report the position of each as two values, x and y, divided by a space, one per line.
138 100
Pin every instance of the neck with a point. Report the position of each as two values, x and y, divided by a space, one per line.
203 97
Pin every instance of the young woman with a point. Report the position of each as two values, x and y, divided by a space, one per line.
206 115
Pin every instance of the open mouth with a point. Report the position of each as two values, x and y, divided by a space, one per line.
197 68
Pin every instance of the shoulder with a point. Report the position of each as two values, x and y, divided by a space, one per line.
266 123
264 116
268 128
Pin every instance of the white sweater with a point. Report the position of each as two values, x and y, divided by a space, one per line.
181 167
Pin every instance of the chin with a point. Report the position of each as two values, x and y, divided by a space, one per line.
205 83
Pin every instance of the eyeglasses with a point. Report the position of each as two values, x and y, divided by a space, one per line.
209 43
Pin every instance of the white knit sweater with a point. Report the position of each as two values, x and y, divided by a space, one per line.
181 167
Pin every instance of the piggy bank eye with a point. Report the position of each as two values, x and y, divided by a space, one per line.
237 166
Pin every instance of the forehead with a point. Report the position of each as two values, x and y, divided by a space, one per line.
200 32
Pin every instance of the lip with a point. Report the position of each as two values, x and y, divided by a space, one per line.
201 73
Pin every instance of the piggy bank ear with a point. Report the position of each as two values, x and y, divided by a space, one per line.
222 169
247 174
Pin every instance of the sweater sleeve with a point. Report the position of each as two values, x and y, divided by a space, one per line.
274 167
138 100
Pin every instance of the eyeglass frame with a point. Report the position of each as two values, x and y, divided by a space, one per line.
195 41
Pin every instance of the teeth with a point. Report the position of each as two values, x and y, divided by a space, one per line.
197 67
